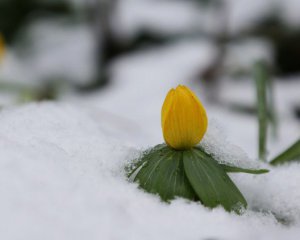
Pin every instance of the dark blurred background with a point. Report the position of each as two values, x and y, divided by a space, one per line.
53 46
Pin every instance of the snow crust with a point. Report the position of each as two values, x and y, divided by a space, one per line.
62 178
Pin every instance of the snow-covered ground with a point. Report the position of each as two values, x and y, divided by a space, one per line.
62 178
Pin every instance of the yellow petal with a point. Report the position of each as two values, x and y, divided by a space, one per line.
2 47
183 118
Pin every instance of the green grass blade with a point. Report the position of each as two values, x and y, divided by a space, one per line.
260 76
272 108
290 154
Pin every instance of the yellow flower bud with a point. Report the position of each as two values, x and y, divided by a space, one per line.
2 48
183 119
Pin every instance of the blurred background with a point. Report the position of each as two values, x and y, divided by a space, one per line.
116 59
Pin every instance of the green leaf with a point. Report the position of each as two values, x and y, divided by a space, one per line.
228 168
133 167
272 111
260 76
136 164
210 181
289 155
163 173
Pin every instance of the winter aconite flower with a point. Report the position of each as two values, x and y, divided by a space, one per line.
183 118
2 48
181 168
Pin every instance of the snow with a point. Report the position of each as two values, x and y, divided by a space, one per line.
244 14
276 192
178 17
289 12
242 129
143 79
62 163
216 144
62 178
51 48
241 55
133 16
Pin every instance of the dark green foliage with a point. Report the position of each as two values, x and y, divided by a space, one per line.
191 174
163 173
15 13
287 53
210 181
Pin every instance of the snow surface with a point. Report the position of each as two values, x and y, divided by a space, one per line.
215 143
62 178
